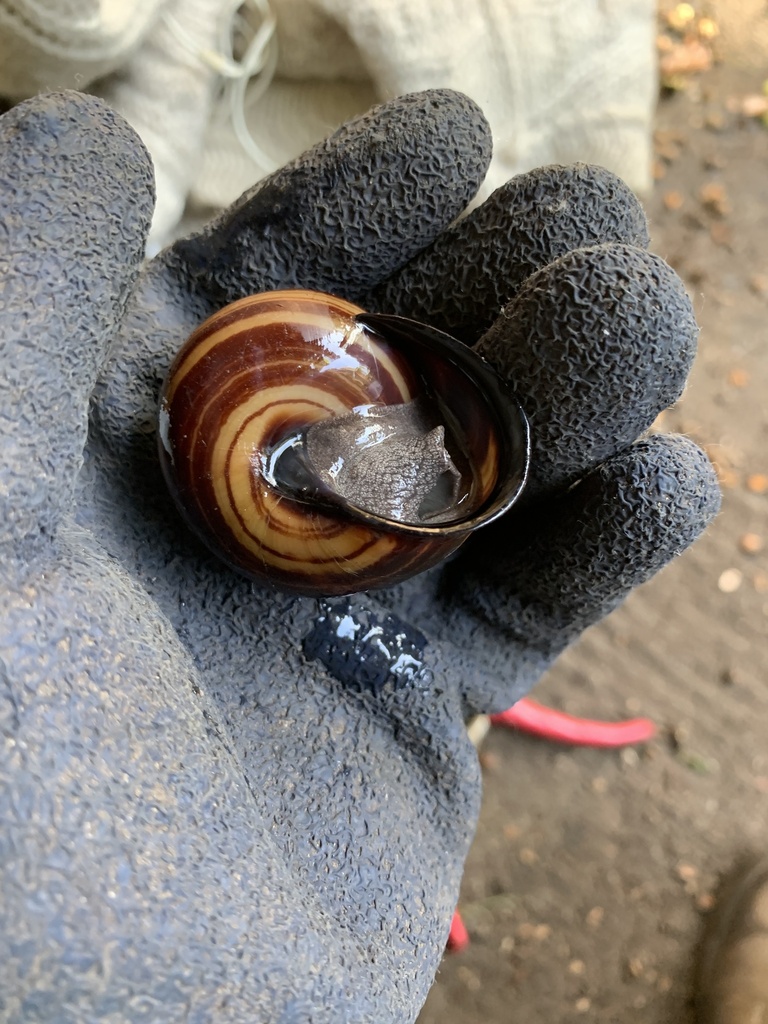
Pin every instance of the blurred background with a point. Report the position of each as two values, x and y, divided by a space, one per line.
592 870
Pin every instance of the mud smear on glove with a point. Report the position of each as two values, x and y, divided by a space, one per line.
363 651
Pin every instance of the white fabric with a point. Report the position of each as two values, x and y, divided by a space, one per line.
167 93
67 44
559 80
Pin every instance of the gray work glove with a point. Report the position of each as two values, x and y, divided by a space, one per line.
220 803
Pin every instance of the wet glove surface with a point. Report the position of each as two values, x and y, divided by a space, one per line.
220 803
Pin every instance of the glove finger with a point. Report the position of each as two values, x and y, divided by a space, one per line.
596 345
461 282
541 577
338 219
353 208
76 190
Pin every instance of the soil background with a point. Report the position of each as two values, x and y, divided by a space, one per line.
592 870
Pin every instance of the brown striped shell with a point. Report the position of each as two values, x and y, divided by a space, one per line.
300 372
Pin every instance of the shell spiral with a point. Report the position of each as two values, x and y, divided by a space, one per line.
267 368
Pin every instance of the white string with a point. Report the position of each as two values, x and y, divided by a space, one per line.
250 25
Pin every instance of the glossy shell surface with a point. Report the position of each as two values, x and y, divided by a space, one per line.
273 364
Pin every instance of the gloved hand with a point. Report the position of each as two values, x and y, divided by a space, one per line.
220 803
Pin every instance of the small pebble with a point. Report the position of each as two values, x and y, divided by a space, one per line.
738 377
707 28
705 901
751 543
730 580
595 917
730 676
684 59
687 872
680 16
635 967
757 483
577 967
714 197
754 105
583 1005
679 735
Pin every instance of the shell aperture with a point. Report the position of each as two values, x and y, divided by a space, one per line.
391 461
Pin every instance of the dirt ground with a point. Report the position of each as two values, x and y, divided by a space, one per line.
591 872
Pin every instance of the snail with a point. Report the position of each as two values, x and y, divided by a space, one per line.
326 450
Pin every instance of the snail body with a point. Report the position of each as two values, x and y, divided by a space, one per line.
327 451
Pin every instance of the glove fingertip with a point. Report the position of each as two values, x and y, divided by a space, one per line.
485 258
596 345
353 208
547 575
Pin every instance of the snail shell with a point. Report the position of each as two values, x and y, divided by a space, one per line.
326 450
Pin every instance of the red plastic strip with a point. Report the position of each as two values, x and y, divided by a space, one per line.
533 718
458 937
